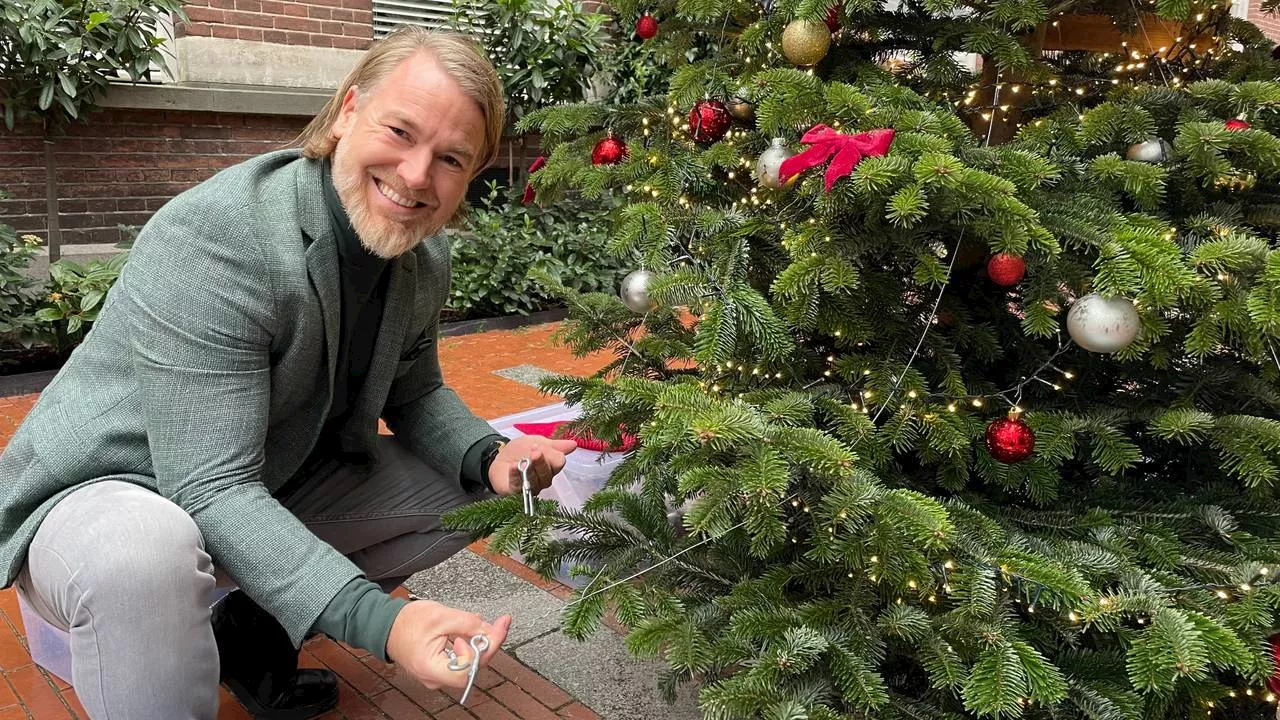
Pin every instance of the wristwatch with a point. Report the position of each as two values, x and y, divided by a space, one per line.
487 457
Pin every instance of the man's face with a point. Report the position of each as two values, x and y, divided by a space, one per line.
405 155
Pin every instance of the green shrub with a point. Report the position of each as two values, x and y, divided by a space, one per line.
17 289
501 242
73 299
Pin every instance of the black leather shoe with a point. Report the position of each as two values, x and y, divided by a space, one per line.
259 664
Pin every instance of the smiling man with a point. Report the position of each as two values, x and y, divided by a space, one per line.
219 425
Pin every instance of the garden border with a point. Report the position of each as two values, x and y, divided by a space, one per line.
34 382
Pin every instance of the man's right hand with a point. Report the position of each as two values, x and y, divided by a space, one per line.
423 629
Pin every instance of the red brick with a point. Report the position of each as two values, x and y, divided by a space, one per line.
432 700
351 43
37 694
493 711
475 699
251 34
578 711
229 708
320 13
224 31
543 690
455 713
521 703
274 36
398 706
330 27
7 695
297 38
294 10
357 30
354 706
77 708
346 665
508 667
249 19
205 14
14 713
13 654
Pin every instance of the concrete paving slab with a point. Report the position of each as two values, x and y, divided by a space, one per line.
469 582
603 675
598 672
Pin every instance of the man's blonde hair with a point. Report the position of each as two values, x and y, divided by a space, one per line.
460 57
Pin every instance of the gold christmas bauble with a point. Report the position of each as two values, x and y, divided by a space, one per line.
742 110
805 42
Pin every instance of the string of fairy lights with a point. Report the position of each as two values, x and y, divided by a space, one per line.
1024 591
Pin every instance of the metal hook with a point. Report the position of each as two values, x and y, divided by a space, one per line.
525 488
479 643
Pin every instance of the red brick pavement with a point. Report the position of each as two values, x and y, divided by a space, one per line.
370 688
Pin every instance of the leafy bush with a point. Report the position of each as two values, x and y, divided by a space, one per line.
502 242
17 290
74 298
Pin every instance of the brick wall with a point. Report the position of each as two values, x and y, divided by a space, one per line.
122 165
319 23
1269 23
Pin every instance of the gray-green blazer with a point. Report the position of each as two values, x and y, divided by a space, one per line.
210 372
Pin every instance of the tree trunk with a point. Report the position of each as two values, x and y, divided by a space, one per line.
51 202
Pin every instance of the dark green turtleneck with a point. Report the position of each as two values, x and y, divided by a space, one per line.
361 614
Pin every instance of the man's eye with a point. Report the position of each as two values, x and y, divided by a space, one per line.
455 162
398 131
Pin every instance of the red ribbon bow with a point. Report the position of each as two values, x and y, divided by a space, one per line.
528 188
848 149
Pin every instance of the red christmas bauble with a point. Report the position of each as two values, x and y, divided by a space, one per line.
647 27
709 121
1236 125
1010 440
1273 682
833 20
609 151
1006 270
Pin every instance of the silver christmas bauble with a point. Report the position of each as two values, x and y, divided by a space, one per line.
1155 150
1103 325
635 291
770 163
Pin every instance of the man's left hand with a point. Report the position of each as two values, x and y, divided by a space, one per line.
546 458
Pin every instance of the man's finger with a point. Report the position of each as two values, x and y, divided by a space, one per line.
564 447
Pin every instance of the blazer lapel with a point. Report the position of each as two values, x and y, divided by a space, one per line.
322 259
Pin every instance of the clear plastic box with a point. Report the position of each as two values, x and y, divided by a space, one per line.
50 647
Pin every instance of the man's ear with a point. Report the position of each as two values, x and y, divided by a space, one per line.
347 114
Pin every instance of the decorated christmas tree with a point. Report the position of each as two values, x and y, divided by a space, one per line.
947 381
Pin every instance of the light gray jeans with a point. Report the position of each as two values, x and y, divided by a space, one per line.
124 570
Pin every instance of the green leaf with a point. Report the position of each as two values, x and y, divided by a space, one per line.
46 95
95 19
68 86
91 300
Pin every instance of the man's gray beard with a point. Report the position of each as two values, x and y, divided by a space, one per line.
383 237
